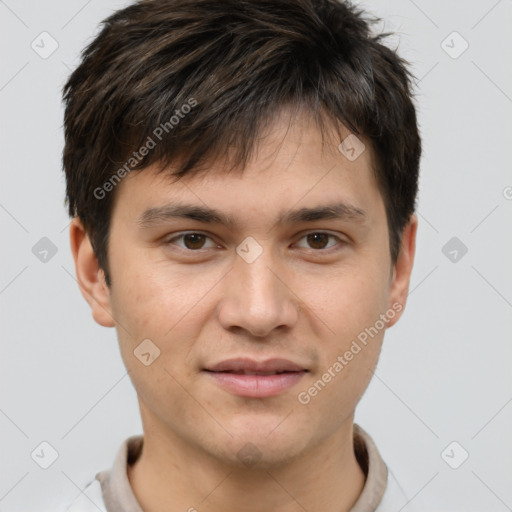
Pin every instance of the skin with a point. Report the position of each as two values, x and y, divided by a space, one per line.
201 303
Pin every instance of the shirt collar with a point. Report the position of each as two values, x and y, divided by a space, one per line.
119 497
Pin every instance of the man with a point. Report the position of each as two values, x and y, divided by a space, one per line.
242 179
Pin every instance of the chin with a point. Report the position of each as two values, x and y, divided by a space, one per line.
252 456
263 448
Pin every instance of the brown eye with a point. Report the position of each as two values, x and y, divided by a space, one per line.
319 240
194 241
191 241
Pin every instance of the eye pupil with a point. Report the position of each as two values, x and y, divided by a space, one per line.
313 238
195 238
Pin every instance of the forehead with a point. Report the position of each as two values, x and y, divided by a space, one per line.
293 165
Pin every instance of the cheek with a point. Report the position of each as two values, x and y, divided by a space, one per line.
154 297
334 392
348 302
165 306
356 302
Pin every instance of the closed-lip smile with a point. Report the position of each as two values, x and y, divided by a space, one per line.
256 379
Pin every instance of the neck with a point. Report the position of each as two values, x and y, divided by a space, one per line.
173 476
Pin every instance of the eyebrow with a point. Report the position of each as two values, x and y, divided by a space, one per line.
165 213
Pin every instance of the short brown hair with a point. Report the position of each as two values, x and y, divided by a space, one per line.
211 74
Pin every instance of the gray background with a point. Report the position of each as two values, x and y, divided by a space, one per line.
444 374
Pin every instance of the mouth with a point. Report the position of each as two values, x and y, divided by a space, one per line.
246 372
256 379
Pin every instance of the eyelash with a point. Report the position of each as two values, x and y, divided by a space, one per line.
326 250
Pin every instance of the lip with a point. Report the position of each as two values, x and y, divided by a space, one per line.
256 379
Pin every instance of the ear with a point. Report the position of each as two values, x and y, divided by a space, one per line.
402 269
90 277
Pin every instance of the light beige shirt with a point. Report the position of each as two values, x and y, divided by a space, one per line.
110 491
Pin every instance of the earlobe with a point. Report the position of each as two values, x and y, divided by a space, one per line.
403 268
90 277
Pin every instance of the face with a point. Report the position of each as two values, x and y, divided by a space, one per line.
264 330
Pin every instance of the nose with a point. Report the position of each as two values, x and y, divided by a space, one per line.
258 297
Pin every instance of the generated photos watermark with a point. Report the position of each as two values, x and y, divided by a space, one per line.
149 144
304 397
